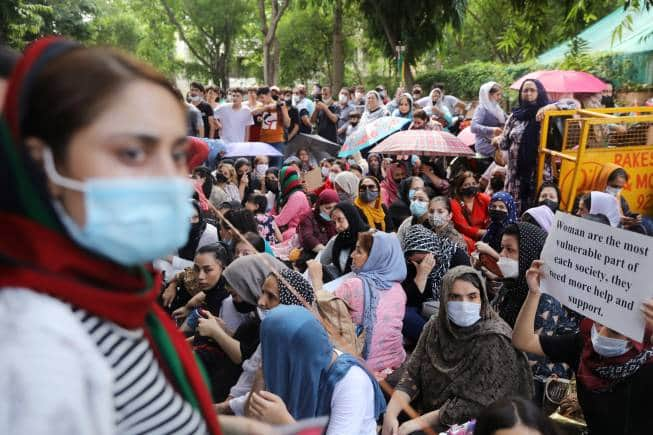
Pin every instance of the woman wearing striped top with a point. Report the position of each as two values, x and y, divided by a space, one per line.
95 188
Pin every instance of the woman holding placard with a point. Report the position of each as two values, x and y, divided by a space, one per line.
614 373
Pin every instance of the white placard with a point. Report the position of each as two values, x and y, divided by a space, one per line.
601 272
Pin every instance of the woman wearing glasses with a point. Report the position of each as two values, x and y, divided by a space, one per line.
370 205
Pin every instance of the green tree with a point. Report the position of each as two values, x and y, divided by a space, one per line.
209 28
417 26
269 17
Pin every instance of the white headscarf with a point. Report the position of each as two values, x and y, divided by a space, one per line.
491 106
440 104
380 112
605 204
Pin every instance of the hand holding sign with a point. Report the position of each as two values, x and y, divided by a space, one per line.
601 272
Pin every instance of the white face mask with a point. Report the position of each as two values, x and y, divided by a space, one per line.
608 347
260 169
342 99
463 314
509 267
195 98
614 191
325 171
437 220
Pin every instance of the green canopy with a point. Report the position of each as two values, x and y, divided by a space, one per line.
599 36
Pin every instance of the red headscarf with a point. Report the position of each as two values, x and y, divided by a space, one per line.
388 184
37 253
598 373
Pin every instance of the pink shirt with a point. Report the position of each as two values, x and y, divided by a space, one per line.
292 212
387 350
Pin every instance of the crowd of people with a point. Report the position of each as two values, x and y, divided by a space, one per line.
401 296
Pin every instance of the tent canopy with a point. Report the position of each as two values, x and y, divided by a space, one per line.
599 36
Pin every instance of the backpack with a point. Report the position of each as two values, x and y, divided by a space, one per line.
335 316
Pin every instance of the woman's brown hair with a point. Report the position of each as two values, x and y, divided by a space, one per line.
460 180
366 239
75 87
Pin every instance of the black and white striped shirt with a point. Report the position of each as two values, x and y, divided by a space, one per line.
145 402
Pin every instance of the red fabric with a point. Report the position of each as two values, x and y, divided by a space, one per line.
201 198
479 218
590 360
327 196
327 185
313 231
190 368
388 184
48 262
198 152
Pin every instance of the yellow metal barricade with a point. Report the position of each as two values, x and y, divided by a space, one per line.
593 141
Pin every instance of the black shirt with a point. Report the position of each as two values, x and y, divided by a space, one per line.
293 114
306 129
624 410
325 127
207 111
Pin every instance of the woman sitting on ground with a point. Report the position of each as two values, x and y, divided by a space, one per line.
614 373
464 360
337 254
333 384
370 206
316 228
375 296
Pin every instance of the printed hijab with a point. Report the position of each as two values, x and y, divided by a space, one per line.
495 229
420 239
247 274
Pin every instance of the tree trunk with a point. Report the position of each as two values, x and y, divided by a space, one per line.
276 61
408 75
338 49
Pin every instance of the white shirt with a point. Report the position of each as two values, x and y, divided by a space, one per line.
234 122
352 405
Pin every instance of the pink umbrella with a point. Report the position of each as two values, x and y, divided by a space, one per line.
560 81
423 143
467 137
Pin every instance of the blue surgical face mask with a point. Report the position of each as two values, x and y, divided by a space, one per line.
463 314
325 216
411 193
608 347
418 208
128 220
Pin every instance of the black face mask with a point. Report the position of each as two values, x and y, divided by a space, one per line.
498 216
553 205
353 124
397 180
289 102
244 307
272 186
607 101
469 191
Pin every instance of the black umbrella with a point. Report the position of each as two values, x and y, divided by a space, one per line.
318 147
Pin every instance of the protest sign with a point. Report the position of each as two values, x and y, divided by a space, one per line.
312 179
601 272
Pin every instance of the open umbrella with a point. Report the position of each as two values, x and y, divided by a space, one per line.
423 143
318 147
467 137
560 81
247 149
369 134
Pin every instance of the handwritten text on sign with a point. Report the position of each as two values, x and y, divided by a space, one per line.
601 272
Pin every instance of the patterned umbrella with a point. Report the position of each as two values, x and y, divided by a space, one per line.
467 137
423 143
369 134
247 149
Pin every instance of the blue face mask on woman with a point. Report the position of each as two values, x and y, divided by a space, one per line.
608 347
128 220
418 208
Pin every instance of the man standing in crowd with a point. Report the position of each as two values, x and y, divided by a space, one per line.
274 120
346 107
293 113
197 100
235 118
304 107
326 115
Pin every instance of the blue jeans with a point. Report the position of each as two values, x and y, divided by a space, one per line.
277 161
413 324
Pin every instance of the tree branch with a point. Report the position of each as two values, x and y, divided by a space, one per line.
263 17
182 34
278 11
